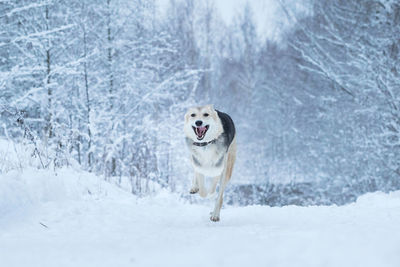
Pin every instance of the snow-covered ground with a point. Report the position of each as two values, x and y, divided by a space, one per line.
76 219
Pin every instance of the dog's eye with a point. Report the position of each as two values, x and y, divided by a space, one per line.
193 115
206 114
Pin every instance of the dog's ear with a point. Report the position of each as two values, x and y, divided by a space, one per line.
187 116
213 112
211 107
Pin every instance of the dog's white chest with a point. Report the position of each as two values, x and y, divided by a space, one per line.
208 160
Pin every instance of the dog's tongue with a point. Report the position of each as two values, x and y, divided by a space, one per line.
201 130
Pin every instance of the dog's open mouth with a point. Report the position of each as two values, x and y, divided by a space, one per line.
200 131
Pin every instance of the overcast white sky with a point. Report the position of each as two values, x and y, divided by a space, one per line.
268 15
263 13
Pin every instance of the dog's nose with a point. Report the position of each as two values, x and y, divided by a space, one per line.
198 123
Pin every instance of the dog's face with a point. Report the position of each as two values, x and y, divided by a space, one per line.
202 124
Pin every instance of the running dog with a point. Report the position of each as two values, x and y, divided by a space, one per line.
211 139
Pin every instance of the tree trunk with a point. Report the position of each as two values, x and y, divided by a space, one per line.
111 78
49 90
85 73
109 51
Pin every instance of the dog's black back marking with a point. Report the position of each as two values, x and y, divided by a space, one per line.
228 126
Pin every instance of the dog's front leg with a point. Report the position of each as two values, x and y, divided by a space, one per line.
218 203
195 186
198 185
215 181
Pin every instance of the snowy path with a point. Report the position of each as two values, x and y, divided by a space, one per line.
115 229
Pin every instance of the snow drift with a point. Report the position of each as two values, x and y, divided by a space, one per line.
73 218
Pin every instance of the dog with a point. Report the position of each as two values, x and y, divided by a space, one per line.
211 139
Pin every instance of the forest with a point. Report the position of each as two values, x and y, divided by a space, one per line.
103 86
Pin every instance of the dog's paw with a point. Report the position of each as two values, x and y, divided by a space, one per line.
213 217
194 190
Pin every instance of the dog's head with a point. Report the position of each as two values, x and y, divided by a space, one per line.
202 124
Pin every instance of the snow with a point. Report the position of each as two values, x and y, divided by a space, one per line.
73 218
